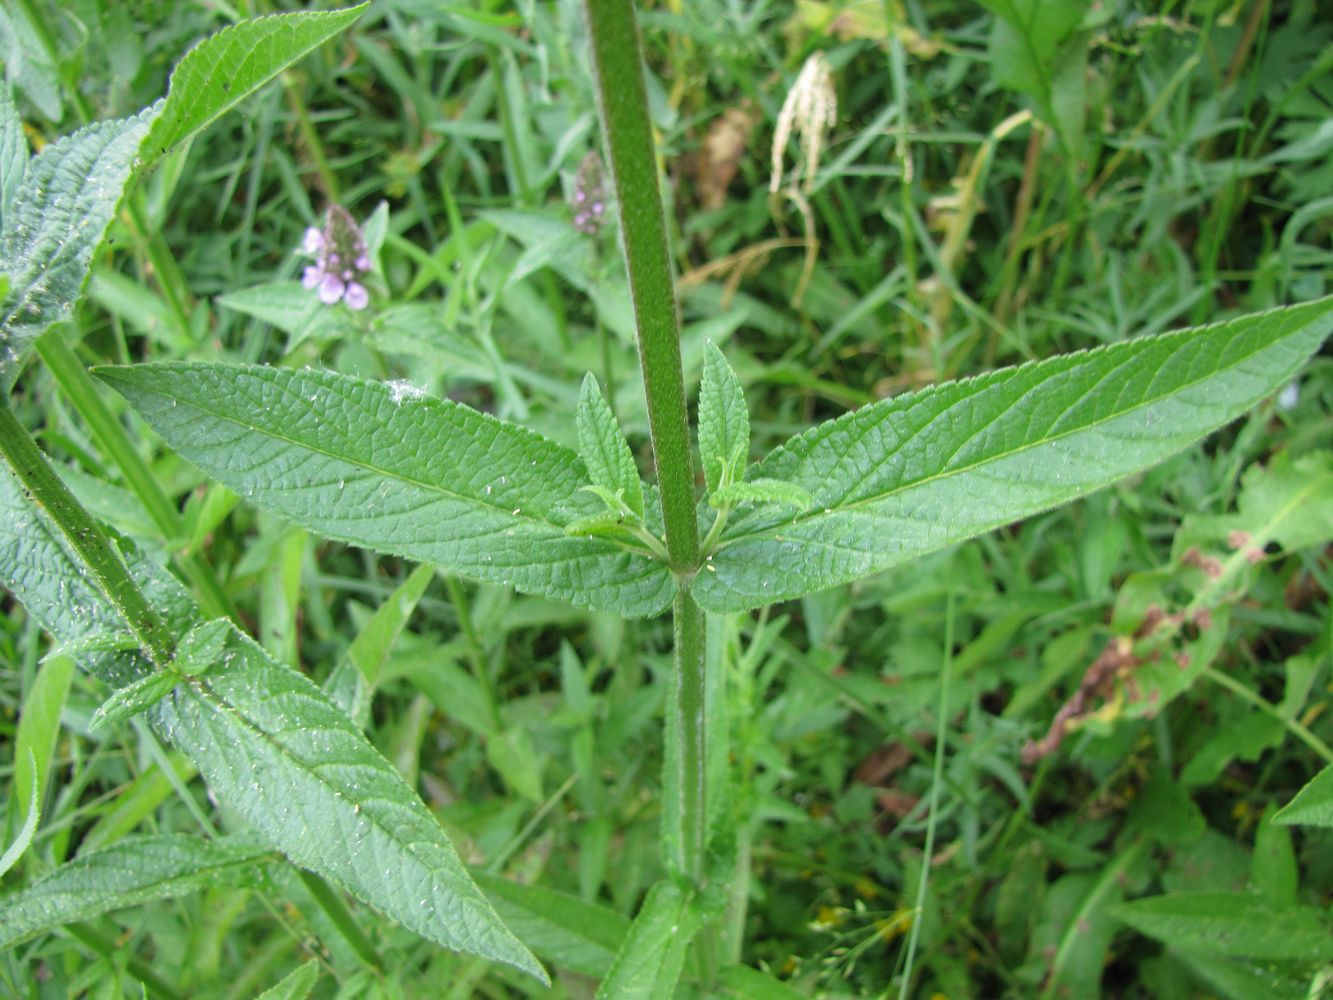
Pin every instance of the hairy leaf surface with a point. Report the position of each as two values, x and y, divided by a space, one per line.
652 956
276 748
910 475
221 71
137 870
724 423
385 467
60 214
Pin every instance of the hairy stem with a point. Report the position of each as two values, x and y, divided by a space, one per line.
629 139
84 536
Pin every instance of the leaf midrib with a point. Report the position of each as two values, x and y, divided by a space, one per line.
369 467
914 484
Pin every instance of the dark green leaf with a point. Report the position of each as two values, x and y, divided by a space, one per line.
380 466
276 749
910 475
135 871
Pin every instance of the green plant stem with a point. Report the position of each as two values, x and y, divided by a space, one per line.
629 139
328 180
476 653
168 274
1298 730
84 536
105 946
628 132
331 902
73 378
936 782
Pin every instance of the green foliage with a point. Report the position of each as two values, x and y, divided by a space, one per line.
386 467
274 746
975 740
137 870
907 476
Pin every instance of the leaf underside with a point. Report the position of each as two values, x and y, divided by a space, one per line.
906 476
369 464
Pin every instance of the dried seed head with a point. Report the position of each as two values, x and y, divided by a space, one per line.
809 111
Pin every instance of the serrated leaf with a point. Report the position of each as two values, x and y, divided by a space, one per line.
903 477
604 450
649 963
766 491
70 191
275 748
42 573
724 423
1313 804
1234 924
296 985
224 69
566 930
132 699
201 647
60 214
13 154
135 871
370 464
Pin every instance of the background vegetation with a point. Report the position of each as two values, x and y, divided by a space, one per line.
1002 181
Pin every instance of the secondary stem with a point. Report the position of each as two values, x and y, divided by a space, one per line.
84 536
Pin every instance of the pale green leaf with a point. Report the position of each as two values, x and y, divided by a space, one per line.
906 476
13 154
566 930
291 308
296 985
276 749
132 699
135 871
370 649
604 450
748 983
650 961
223 70
201 647
39 727
385 467
765 491
1234 924
724 423
60 214
27 63
29 827
1313 804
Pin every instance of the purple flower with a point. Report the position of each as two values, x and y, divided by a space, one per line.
338 241
588 199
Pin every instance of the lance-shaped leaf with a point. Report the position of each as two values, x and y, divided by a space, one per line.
652 956
135 871
379 466
906 476
60 214
68 194
604 450
278 750
13 154
1313 804
1235 924
724 423
221 71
